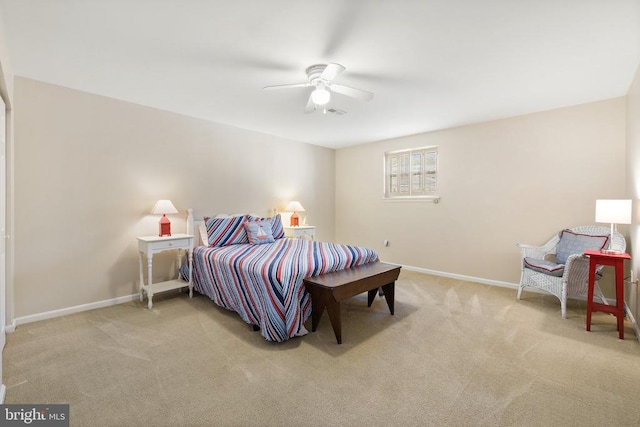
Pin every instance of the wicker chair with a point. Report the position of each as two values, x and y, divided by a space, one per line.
574 281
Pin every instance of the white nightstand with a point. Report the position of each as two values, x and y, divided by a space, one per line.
300 231
150 245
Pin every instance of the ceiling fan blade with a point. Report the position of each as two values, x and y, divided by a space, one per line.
347 18
307 84
331 71
352 92
311 106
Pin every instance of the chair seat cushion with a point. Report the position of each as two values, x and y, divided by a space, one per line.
544 266
576 243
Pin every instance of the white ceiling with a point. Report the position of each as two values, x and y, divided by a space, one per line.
432 64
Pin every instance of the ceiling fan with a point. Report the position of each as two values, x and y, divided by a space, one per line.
320 78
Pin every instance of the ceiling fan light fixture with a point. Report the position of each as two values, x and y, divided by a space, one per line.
321 80
320 96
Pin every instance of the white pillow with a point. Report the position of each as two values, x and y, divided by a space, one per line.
204 238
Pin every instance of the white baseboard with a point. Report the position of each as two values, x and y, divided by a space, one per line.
462 277
634 323
70 310
11 327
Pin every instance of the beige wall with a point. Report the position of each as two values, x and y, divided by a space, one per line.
501 182
633 180
90 168
6 73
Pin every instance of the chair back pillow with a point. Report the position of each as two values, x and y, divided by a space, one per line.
576 243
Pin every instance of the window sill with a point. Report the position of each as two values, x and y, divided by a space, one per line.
433 199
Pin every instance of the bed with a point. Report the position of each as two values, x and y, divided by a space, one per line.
245 264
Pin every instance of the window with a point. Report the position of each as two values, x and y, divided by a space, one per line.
411 173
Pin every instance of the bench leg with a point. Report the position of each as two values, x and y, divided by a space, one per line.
322 298
319 300
333 308
371 296
389 293
317 307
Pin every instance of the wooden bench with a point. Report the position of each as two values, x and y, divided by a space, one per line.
327 290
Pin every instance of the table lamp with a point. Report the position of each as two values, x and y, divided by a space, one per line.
164 207
294 207
613 212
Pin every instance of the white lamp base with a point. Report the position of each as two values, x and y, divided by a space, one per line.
611 251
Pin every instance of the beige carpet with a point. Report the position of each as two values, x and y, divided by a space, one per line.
455 353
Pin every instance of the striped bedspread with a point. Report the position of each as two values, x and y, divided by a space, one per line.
264 283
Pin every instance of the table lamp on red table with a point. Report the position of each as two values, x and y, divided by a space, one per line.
164 207
613 212
294 206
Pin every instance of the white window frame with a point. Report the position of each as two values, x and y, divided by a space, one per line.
411 174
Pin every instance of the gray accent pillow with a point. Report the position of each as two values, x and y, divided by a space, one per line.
576 243
544 266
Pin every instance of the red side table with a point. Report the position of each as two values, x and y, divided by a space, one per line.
617 261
